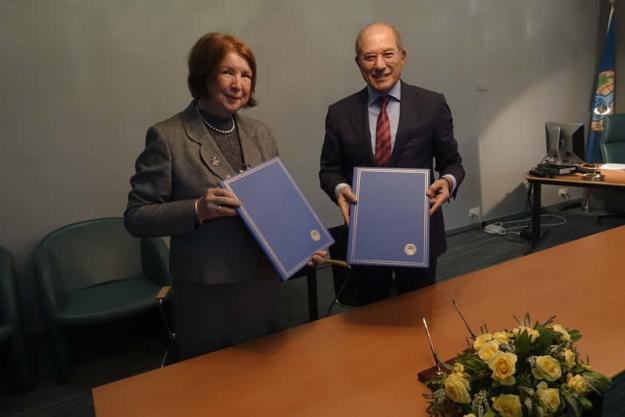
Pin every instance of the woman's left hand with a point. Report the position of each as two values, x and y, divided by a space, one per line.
318 258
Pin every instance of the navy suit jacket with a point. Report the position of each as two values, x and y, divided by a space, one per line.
424 139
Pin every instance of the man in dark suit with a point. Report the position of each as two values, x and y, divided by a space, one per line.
391 124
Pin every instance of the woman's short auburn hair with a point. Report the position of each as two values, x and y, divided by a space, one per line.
207 54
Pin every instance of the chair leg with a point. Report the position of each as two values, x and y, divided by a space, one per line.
22 369
311 282
170 333
59 352
610 216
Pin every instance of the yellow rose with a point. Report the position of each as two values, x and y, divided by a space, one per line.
508 405
481 339
546 368
488 350
569 358
532 333
503 365
501 337
458 368
457 389
564 335
549 397
577 383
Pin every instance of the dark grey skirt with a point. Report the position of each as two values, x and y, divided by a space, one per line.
208 317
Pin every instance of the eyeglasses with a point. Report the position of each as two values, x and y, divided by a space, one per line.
370 58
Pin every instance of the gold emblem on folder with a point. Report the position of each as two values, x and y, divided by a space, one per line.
410 249
315 235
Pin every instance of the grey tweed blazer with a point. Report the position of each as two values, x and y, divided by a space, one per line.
179 163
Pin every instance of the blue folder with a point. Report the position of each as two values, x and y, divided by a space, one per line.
390 223
279 217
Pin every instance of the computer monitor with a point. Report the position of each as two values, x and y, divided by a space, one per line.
565 143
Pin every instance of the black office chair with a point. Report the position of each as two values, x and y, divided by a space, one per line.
10 320
95 272
612 146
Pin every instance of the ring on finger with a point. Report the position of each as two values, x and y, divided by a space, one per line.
219 208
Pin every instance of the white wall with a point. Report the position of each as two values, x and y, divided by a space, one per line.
81 82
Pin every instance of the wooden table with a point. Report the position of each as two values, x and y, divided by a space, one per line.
364 362
613 180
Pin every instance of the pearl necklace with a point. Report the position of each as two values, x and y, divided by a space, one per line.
215 128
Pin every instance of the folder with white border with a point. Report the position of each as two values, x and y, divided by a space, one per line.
390 223
279 216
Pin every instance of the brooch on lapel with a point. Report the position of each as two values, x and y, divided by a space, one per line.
215 161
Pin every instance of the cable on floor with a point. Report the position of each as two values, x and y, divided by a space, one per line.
513 226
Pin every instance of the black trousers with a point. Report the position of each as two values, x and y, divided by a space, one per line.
367 284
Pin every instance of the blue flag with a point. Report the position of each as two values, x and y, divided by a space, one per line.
603 100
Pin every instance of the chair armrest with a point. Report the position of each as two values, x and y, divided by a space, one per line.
51 288
163 293
338 262
155 260
8 293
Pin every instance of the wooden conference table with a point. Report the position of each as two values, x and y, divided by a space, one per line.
364 362
613 179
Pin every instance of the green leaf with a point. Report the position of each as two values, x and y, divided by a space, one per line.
597 381
549 321
544 340
490 413
571 400
474 364
575 335
522 345
585 402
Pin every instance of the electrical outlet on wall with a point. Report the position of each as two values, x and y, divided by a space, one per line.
475 212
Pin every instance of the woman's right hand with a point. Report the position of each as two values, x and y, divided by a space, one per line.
216 202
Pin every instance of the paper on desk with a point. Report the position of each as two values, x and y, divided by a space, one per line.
613 167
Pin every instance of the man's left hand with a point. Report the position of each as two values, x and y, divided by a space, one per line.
438 193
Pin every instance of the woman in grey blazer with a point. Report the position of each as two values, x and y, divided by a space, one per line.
225 290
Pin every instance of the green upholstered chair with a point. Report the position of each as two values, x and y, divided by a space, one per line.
612 146
95 272
612 141
11 330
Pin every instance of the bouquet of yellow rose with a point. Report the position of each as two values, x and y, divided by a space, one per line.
529 371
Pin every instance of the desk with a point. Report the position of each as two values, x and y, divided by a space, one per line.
613 179
364 362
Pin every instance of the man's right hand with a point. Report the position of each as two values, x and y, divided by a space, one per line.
345 199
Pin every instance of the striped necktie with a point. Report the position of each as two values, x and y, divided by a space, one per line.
383 135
